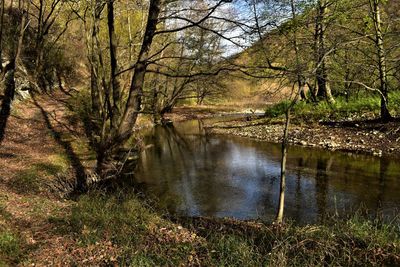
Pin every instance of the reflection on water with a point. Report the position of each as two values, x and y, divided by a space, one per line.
199 175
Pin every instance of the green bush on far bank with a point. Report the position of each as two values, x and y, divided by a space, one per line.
363 106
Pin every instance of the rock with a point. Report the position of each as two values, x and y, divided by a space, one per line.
377 153
332 145
302 143
22 88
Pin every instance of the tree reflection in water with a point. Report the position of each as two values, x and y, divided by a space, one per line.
198 174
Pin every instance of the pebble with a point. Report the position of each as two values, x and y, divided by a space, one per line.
302 143
377 153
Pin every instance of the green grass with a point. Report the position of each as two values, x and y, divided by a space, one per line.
146 238
31 180
356 107
10 248
143 237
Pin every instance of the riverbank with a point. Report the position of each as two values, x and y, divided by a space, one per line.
145 237
348 125
185 113
369 137
42 155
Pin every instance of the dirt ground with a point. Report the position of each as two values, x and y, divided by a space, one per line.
38 153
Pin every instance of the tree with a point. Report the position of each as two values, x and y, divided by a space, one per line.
17 30
323 89
186 57
115 127
1 32
379 43
45 13
114 108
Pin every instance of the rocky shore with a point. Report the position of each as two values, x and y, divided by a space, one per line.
368 137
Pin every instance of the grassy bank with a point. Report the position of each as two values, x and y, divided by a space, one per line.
145 238
363 106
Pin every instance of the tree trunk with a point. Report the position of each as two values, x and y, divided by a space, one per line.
133 104
25 12
39 48
379 43
300 77
95 84
279 216
323 89
1 33
9 81
109 147
114 83
9 92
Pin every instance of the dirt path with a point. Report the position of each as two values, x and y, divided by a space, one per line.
38 152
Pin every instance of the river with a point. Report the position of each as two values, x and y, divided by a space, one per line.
195 174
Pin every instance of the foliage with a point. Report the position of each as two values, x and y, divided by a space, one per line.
361 106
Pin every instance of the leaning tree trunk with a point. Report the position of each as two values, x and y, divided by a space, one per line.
110 146
379 43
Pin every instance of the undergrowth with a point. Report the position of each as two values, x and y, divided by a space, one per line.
145 238
31 180
11 251
10 248
356 107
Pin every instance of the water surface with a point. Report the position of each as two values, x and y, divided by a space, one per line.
196 174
